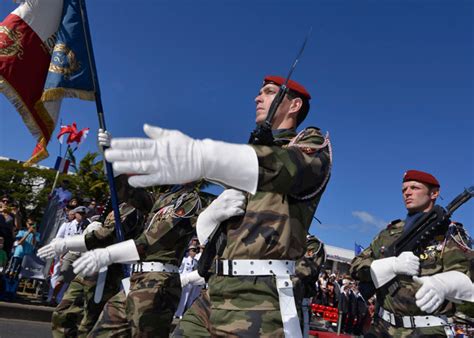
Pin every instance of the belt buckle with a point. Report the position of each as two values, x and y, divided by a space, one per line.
398 320
219 269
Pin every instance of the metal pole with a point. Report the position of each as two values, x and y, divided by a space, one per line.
100 115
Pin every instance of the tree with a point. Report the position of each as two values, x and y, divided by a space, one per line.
30 186
91 179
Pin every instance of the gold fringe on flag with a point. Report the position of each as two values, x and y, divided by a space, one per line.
55 94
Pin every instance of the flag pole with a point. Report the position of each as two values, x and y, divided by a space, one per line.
100 115
57 172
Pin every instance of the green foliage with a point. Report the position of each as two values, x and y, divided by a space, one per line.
92 181
31 186
25 185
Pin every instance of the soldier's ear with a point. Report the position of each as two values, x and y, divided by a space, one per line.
295 105
434 193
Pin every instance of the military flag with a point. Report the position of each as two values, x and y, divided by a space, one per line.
27 38
56 30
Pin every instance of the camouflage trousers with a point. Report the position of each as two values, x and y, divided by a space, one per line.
380 328
196 321
147 310
77 312
245 306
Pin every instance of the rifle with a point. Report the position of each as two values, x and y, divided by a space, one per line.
434 223
262 134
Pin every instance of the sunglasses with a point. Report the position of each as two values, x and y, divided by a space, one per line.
5 201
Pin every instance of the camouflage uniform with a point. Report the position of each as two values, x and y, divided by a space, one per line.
147 310
196 321
292 177
306 274
77 312
442 255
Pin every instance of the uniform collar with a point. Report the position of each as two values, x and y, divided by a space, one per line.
283 135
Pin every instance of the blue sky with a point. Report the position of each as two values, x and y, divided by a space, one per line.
392 82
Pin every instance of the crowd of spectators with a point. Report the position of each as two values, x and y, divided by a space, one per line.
20 236
341 292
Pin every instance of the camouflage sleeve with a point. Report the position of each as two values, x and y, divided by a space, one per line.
293 169
132 221
456 254
360 265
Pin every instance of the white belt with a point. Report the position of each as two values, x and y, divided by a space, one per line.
255 267
411 322
282 270
154 267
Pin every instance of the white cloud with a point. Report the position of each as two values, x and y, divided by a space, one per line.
369 219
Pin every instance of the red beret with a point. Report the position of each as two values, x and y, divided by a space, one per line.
293 85
420 176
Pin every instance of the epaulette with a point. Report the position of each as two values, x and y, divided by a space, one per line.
308 148
460 236
392 223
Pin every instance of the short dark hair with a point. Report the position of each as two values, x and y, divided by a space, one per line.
303 112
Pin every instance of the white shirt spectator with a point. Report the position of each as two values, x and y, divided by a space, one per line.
188 265
69 229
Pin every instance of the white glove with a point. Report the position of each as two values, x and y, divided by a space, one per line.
92 261
230 203
385 269
103 139
170 157
451 285
193 278
58 246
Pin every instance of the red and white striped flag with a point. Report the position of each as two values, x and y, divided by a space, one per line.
27 38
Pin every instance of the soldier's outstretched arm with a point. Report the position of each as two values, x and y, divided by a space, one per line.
59 246
170 157
94 260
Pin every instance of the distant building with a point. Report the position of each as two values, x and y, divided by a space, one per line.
338 259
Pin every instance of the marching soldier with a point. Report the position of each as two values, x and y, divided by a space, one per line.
251 293
196 321
415 294
146 307
77 312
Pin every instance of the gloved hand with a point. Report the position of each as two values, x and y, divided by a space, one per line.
170 157
92 261
385 269
192 278
55 248
103 139
230 203
58 246
452 285
431 294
